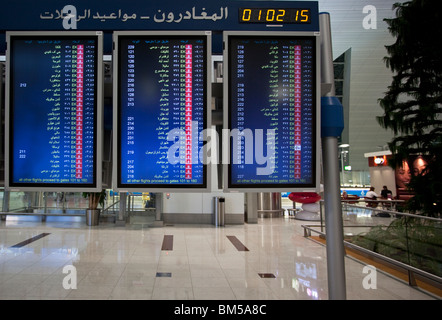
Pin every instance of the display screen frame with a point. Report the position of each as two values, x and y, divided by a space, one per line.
117 184
314 186
96 184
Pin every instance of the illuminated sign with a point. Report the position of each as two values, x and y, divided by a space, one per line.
271 110
274 15
161 110
54 112
378 161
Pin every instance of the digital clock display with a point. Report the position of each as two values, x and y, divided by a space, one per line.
274 15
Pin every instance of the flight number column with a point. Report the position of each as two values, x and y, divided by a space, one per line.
130 120
240 98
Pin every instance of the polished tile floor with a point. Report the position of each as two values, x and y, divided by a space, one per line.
267 261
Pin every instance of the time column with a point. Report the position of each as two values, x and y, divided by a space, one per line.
87 91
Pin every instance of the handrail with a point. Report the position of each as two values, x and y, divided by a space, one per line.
397 213
372 200
107 209
411 270
15 211
43 214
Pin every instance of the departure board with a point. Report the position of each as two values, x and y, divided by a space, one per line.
54 110
161 108
271 111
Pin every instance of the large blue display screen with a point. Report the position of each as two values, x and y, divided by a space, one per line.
162 111
272 111
53 111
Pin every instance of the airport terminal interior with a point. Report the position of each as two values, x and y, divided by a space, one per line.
178 219
270 260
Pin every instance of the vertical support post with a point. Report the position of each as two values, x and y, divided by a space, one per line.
129 204
331 127
341 155
40 200
63 199
121 217
158 206
123 206
5 204
252 207
45 200
333 221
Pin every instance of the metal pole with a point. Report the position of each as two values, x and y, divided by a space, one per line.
333 221
332 203
158 206
121 216
252 207
342 166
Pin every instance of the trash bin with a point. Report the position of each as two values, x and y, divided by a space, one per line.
220 211
269 204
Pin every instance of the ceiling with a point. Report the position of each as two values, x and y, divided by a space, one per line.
369 75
